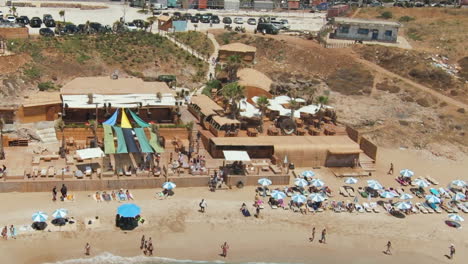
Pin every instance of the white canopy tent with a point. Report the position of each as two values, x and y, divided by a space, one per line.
234 155
90 153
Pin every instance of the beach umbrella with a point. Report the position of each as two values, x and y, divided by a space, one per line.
406 173
421 183
79 173
459 197
299 198
432 199
316 197
308 174
278 195
403 205
406 196
351 181
169 185
128 210
456 217
374 184
301 183
60 213
387 194
264 182
459 183
317 183
39 217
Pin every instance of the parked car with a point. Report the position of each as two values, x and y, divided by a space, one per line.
156 12
284 21
139 23
95 27
11 19
215 20
46 32
46 17
49 23
1 14
227 20
165 14
205 19
178 14
23 20
267 28
130 26
194 19
419 4
252 21
35 22
280 25
187 16
68 29
239 20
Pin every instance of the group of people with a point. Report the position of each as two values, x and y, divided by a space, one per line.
119 195
147 246
63 192
216 181
323 238
9 232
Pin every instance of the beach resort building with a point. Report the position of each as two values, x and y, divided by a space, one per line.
365 29
245 52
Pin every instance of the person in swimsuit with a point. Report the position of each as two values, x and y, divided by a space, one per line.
225 248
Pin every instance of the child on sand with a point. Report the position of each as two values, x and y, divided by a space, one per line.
87 249
323 239
225 248
311 238
452 251
389 246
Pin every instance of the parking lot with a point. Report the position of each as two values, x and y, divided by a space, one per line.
297 21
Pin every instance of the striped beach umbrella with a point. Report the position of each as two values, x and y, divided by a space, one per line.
374 184
432 199
301 183
169 185
308 174
458 183
351 180
317 183
316 197
421 183
456 217
403 205
39 217
278 195
406 196
60 213
406 173
459 197
387 194
264 182
299 198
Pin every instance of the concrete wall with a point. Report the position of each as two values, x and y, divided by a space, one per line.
338 160
368 147
14 33
352 134
38 113
354 35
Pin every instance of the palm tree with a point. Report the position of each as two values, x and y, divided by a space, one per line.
232 66
62 14
60 125
262 102
234 93
321 100
293 105
2 151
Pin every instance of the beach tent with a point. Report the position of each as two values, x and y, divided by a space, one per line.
90 153
233 155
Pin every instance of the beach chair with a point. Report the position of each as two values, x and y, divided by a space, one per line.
289 193
35 172
434 192
444 193
310 209
367 207
428 208
350 191
462 207
51 172
432 180
343 192
394 191
88 171
453 208
359 208
421 208
447 209
374 207
43 172
273 206
414 210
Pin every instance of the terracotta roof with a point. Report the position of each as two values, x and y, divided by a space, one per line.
206 105
106 85
239 47
41 98
251 77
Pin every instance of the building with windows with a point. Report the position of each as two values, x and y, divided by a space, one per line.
365 29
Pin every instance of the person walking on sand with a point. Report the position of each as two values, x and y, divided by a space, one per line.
311 238
225 248
203 205
12 232
5 233
324 234
390 171
64 191
389 247
145 248
87 249
150 248
142 244
54 194
452 251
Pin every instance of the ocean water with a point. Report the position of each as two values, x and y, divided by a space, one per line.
108 258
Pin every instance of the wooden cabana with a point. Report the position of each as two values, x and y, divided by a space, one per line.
220 125
202 107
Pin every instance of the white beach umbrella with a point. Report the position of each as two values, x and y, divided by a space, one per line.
421 183
60 213
169 185
286 161
406 196
387 194
316 197
264 182
351 180
278 195
308 174
406 173
317 183
301 183
459 197
299 198
458 183
374 184
432 199
404 205
39 217
456 217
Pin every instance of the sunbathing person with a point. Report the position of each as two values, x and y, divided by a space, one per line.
303 209
129 195
106 196
98 197
244 210
114 196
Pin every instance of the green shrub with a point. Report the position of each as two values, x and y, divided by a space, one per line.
44 86
82 58
406 19
386 15
413 34
32 73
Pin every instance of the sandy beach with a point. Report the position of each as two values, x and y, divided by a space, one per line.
179 231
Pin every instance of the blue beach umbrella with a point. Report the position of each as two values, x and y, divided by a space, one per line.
374 184
403 205
301 183
406 173
432 199
317 183
406 196
421 183
316 197
459 183
456 217
278 195
264 182
60 213
351 180
387 195
299 198
169 185
39 217
308 174
128 210
459 197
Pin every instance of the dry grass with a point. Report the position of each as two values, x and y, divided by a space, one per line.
197 41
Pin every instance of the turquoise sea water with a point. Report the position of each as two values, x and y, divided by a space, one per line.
107 258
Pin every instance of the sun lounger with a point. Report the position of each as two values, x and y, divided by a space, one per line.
273 206
343 192
367 207
36 160
404 183
462 207
447 209
436 208
421 208
394 191
374 207
414 210
444 193
434 192
51 172
428 208
350 191
432 180
43 173
359 208
388 207
310 209
453 208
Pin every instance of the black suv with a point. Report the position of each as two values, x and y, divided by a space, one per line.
47 17
205 19
24 20
35 22
227 20
46 32
49 23
215 20
95 27
68 29
194 19
266 28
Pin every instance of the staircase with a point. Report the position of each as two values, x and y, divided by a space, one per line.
366 162
46 132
